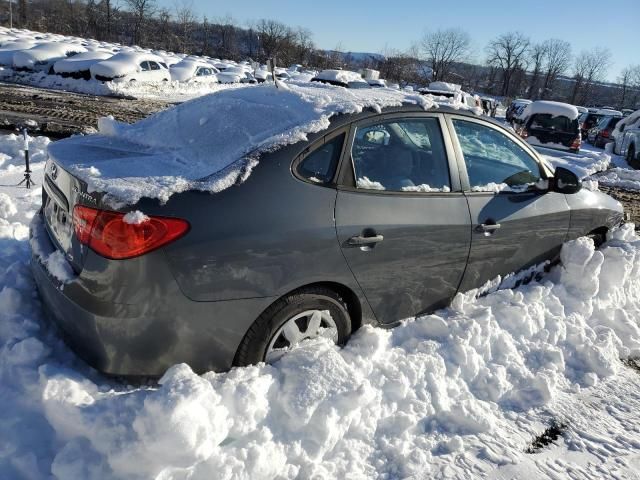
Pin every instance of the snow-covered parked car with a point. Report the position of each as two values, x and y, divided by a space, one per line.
319 198
9 49
131 67
236 75
43 56
626 136
551 125
341 78
79 66
194 71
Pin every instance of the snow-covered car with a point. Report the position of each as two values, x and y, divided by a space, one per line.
515 109
43 56
627 139
551 125
309 220
9 49
451 91
600 135
78 66
341 78
377 83
194 71
131 67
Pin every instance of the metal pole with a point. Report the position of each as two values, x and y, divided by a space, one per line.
27 172
10 13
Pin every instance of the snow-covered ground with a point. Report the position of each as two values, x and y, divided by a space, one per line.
460 393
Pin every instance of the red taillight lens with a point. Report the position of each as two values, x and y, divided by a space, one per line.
604 133
576 142
109 235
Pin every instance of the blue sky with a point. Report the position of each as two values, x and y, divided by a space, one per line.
373 25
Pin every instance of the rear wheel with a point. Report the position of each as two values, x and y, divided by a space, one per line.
307 313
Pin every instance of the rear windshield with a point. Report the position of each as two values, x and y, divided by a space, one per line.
547 122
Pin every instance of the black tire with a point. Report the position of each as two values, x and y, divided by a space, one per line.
631 157
254 345
598 238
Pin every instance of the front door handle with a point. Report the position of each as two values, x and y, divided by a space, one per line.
487 227
360 241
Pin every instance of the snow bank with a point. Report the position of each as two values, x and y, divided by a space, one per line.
555 109
211 142
621 178
583 164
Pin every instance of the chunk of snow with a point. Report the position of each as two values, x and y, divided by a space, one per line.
135 218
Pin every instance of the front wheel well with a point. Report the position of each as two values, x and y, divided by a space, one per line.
598 235
349 296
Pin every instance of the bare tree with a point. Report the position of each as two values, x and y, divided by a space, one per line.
273 37
557 59
628 79
507 52
443 48
186 18
537 54
589 68
142 11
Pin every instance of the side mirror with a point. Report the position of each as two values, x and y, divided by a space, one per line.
565 181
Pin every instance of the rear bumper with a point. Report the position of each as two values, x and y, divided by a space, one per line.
144 339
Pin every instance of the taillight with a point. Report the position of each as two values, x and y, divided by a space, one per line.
604 133
576 143
108 234
524 133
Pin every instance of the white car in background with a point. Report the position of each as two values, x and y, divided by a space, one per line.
626 134
43 56
194 71
131 67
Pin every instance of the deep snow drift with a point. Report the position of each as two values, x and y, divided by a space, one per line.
457 394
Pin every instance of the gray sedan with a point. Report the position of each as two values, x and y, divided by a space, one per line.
383 216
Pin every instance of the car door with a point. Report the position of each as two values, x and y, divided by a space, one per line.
145 72
402 222
516 221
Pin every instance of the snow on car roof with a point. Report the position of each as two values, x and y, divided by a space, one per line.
210 142
186 69
609 111
555 109
123 63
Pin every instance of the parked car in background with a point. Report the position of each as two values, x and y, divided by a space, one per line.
587 121
451 91
159 283
79 66
131 66
600 135
194 71
8 49
627 125
551 125
341 78
42 57
515 108
628 140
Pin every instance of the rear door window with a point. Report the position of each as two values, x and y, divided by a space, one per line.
320 165
154 66
402 155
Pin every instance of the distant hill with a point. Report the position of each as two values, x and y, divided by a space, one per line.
357 57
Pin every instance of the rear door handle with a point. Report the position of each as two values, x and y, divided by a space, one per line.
363 241
487 227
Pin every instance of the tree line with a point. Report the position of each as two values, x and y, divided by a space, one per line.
513 65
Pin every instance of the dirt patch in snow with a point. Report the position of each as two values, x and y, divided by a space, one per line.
630 200
60 113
